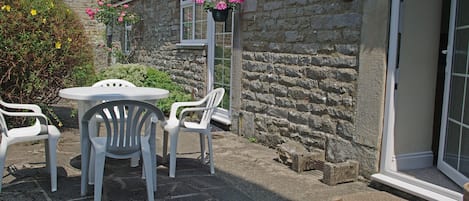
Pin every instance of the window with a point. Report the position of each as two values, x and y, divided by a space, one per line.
126 44
193 22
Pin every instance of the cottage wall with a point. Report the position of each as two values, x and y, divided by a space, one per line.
155 42
299 69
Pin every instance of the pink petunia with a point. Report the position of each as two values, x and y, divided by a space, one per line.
108 5
122 13
221 6
236 1
120 19
199 1
100 3
126 6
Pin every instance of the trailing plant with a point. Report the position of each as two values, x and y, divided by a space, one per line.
43 49
219 4
144 76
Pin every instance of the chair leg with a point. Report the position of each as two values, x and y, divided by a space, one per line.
47 150
172 155
100 158
52 152
91 164
154 164
210 150
202 148
3 153
148 164
165 146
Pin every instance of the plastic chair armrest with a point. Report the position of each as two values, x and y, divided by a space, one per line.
175 106
41 118
185 111
31 107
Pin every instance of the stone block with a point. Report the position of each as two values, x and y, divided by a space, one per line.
308 161
336 173
286 151
298 158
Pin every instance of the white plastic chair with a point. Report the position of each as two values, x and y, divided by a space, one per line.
113 83
39 131
124 138
206 107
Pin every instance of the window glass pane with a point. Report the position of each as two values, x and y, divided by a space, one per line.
187 23
200 22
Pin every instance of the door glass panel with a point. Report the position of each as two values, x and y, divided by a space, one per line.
452 139
464 158
460 51
463 15
455 106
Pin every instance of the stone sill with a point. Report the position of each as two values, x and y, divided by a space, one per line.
191 46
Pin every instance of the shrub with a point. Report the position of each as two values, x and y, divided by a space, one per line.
42 50
144 76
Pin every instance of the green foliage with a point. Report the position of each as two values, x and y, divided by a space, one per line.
144 76
43 49
252 139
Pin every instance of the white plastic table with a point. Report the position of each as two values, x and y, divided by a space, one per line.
87 97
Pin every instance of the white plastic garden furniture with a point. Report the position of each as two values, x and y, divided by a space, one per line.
39 131
113 83
174 125
124 138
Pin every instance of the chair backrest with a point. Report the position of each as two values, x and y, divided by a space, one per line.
113 83
212 100
123 135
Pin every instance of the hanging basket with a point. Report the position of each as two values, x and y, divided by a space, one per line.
219 15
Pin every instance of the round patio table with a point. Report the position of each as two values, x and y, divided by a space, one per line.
87 97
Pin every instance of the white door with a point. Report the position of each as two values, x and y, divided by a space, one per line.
453 158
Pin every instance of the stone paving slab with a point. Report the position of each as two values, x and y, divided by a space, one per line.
244 171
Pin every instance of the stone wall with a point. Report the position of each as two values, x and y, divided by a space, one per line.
299 70
155 42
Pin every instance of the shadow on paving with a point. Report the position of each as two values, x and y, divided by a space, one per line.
122 182
244 171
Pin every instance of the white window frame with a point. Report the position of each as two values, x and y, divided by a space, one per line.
189 42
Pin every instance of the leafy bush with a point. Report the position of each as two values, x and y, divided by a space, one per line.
43 49
144 76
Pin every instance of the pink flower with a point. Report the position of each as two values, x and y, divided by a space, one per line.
236 1
120 19
122 13
221 6
90 13
199 1
100 3
108 5
125 5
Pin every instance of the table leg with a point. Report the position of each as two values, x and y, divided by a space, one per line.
83 106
